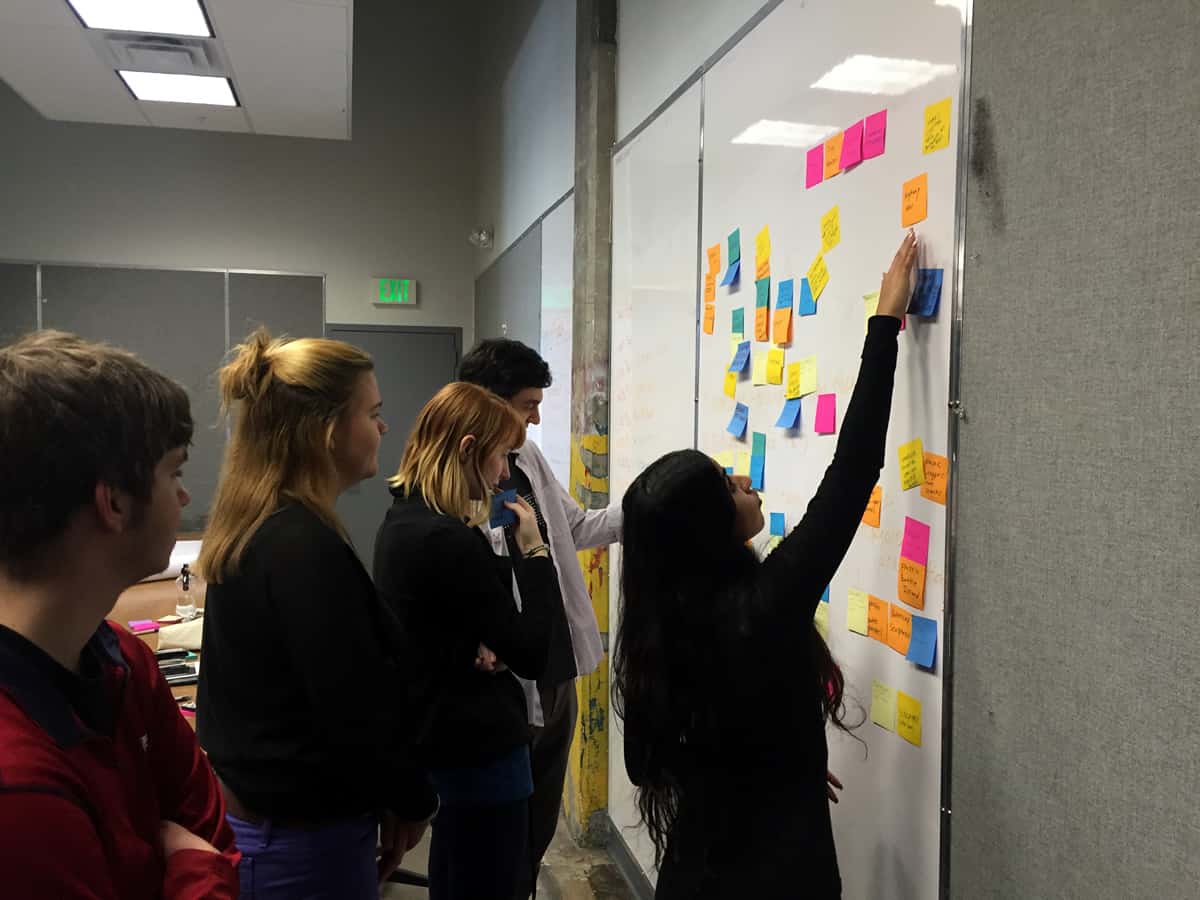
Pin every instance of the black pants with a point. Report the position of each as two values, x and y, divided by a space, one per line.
548 759
478 852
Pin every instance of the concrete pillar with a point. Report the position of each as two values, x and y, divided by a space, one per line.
586 796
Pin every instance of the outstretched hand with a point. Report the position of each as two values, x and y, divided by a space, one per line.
896 289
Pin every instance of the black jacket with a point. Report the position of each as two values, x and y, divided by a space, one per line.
451 593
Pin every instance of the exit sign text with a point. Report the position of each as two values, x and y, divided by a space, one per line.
394 291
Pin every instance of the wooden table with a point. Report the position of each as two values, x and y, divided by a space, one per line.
153 600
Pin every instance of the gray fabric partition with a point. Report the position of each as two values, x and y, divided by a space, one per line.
292 305
1076 691
18 300
508 296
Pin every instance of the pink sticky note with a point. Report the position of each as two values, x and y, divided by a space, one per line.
916 541
852 145
816 166
141 626
874 135
826 413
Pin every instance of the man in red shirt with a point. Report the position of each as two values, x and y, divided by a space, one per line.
104 791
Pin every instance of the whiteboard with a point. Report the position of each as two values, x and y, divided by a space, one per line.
887 825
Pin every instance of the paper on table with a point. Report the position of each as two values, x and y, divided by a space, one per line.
936 135
856 611
883 705
874 507
908 718
912 465
899 628
826 414
937 477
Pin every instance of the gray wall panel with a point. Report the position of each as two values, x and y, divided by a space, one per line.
286 304
508 296
18 300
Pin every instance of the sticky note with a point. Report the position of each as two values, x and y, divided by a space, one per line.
759 373
742 464
899 628
790 417
737 424
936 135
787 289
714 259
915 545
874 134
725 460
762 324
781 327
927 293
883 705
735 246
814 171
937 478
914 200
808 305
731 274
758 445
710 287
741 357
912 465
731 380
870 308
908 718
808 375
877 613
775 366
762 292
777 523
856 611
831 230
757 466
710 316
818 276
143 626
737 320
833 155
772 542
874 507
852 146
736 339
762 243
910 583
825 594
826 414
821 620
922 647
501 515
792 391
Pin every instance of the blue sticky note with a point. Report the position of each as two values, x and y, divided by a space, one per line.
737 425
757 464
808 306
790 417
825 595
729 470
735 246
731 274
738 322
927 295
922 646
762 296
777 524
759 445
741 358
501 514
786 289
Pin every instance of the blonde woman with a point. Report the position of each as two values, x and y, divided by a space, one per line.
452 593
296 702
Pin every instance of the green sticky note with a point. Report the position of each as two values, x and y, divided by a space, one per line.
758 446
762 296
738 325
883 705
735 245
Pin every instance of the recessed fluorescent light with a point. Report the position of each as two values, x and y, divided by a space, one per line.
862 74
153 16
166 88
775 133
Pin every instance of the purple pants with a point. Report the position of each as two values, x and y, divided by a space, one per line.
334 862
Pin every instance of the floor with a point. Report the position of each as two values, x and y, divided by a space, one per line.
568 873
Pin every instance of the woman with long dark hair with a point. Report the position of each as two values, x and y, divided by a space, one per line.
722 681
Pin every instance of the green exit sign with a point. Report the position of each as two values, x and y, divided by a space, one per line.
394 291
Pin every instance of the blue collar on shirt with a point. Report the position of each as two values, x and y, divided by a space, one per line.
34 680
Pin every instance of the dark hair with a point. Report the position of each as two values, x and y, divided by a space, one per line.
685 579
505 367
73 414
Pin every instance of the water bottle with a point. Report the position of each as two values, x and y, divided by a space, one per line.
185 604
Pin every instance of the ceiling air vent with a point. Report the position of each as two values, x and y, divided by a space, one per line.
159 53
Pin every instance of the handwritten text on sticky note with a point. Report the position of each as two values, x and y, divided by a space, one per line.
856 611
818 276
899 628
908 718
874 507
877 613
936 134
831 230
883 705
937 478
912 465
910 583
914 200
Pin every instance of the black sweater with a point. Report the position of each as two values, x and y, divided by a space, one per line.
451 593
297 703
754 817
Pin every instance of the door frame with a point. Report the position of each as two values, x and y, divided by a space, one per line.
455 332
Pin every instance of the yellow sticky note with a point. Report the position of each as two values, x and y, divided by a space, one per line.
818 276
937 478
899 629
908 718
874 505
833 154
936 135
762 268
781 326
808 375
734 339
710 316
710 287
831 230
771 544
762 243
731 384
775 367
870 307
793 381
883 705
856 611
910 583
724 459
760 368
912 465
741 465
877 612
821 620
714 258
914 200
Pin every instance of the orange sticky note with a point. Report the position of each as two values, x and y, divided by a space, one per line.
710 315
762 268
782 326
761 331
911 583
877 613
874 507
710 287
937 476
899 629
833 155
714 258
914 200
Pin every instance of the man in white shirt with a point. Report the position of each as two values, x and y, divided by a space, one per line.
519 374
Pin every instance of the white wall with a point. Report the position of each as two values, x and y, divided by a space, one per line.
661 42
526 102
397 199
